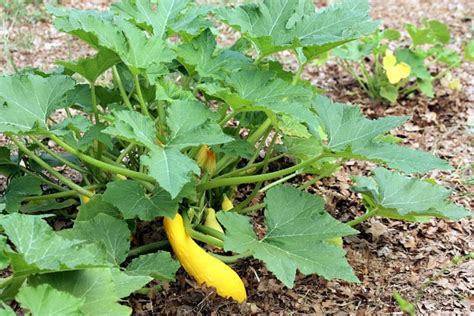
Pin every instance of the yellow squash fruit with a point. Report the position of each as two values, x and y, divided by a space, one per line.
211 220
226 204
336 241
85 199
205 268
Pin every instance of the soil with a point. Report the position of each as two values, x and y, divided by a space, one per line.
387 255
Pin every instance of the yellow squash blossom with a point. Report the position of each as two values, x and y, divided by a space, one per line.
206 159
395 72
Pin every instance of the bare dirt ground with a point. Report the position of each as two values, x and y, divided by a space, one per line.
386 255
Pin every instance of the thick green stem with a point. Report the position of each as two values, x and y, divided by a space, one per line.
251 208
234 258
63 194
249 168
100 164
324 174
57 156
143 105
125 152
37 176
148 248
119 83
279 181
200 236
48 168
364 217
211 232
260 131
256 178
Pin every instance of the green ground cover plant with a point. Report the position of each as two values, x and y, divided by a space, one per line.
182 123
387 66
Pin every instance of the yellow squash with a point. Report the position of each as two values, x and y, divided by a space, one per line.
227 204
201 265
85 199
211 220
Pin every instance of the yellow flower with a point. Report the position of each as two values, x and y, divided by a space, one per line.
395 72
206 159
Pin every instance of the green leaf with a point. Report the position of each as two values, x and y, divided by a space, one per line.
469 51
349 131
303 148
103 229
167 90
28 100
102 29
288 24
355 50
200 55
406 198
34 239
392 34
389 92
96 206
176 15
426 87
95 286
6 310
170 168
18 189
160 266
297 227
130 198
37 206
191 124
416 63
133 127
46 300
433 32
92 67
4 260
236 148
126 283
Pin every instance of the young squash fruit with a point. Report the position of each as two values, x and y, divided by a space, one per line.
211 220
227 204
201 265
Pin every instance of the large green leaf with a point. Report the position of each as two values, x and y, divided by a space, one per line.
200 55
170 168
97 287
18 189
27 100
174 15
133 127
92 67
46 300
191 124
297 227
103 229
350 131
402 197
137 50
39 248
130 198
288 24
159 265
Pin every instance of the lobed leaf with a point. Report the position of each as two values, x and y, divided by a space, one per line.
297 227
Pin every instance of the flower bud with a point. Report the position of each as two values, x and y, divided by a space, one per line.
227 204
206 159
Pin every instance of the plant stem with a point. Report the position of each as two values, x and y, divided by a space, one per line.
148 248
200 236
118 81
48 168
215 183
211 232
125 152
61 194
57 156
260 131
362 218
102 165
251 208
45 181
140 96
234 258
279 181
248 168
94 102
324 174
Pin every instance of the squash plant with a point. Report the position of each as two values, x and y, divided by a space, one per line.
163 123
